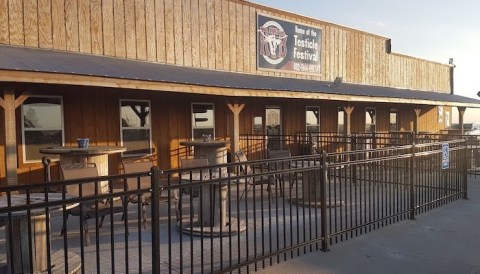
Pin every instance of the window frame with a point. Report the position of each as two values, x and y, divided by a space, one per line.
150 148
24 129
393 110
191 119
280 118
374 119
306 124
342 110
261 130
446 119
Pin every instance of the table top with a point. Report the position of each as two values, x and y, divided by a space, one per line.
215 143
91 150
21 199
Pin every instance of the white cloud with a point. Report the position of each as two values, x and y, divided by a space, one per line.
377 23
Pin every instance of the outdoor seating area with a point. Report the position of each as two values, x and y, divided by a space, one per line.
235 217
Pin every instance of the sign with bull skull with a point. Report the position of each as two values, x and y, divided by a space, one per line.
288 46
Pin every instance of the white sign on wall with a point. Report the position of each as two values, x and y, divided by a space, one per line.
445 156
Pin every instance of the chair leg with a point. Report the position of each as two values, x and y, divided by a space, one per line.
176 205
101 221
144 215
64 226
125 205
245 191
86 232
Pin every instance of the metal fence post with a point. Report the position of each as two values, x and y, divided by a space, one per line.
155 188
412 184
374 140
354 158
323 201
465 170
412 137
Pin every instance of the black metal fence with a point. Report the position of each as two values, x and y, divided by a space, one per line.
233 217
257 146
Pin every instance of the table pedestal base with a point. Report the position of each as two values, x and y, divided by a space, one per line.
196 229
19 253
58 264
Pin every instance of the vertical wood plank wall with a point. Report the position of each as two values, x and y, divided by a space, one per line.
213 34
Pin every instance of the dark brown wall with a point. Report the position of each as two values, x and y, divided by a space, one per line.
94 113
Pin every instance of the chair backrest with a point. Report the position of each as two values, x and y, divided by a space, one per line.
274 154
195 162
135 167
80 171
242 158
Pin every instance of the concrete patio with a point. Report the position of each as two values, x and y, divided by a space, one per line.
443 240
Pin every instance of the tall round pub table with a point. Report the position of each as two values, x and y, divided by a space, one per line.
214 151
27 248
93 154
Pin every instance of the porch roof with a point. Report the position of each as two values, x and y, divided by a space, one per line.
20 64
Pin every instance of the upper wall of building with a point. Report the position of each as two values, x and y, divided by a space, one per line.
211 34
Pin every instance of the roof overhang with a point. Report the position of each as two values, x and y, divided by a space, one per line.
28 65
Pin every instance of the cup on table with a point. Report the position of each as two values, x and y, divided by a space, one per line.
83 142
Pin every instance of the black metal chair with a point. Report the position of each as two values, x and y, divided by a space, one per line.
252 180
144 199
90 209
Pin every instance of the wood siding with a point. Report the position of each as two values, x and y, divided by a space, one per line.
213 34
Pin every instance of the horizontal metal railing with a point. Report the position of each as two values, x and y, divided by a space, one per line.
305 143
232 217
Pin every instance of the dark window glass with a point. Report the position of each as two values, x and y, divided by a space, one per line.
136 130
203 120
42 126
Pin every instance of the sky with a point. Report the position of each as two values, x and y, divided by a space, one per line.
434 30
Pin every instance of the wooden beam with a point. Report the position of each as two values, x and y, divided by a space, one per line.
97 81
461 114
417 118
10 137
2 103
24 96
235 130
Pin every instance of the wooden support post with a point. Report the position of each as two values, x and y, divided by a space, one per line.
9 104
417 118
461 113
235 130
10 137
348 120
348 127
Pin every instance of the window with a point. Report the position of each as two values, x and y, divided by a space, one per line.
42 126
312 117
257 125
341 121
440 114
447 119
370 119
135 127
273 127
393 120
273 121
203 120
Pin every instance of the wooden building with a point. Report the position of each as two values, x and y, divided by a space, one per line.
149 74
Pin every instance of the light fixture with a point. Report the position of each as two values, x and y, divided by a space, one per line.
450 62
337 81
